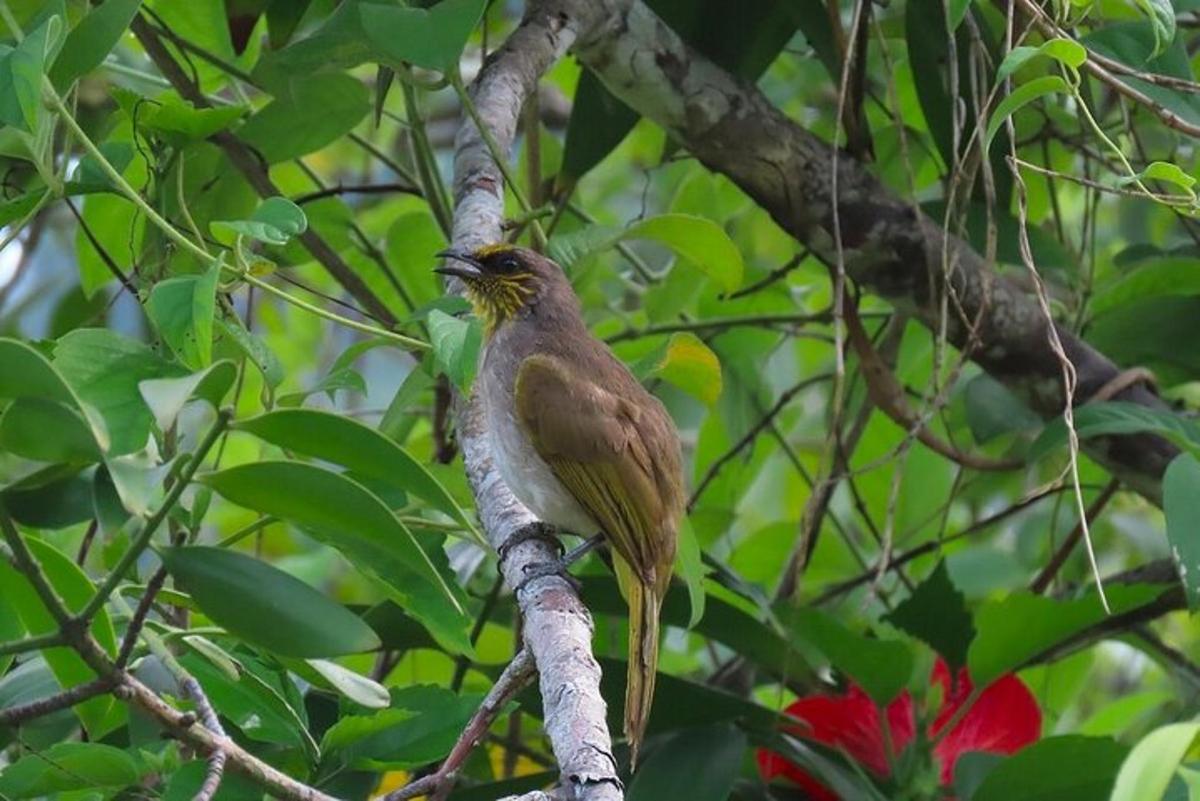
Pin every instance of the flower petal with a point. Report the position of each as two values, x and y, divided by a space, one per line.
849 722
1003 720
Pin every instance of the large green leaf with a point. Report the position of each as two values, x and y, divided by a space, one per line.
266 606
698 764
1012 630
420 726
1101 418
69 766
256 708
1181 504
182 310
433 38
26 373
104 368
91 40
350 518
286 128
456 343
881 667
76 590
1067 768
1148 331
1152 763
47 431
345 441
275 221
702 242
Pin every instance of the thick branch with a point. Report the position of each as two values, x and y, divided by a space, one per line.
887 246
557 626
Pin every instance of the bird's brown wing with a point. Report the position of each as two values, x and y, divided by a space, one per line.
615 452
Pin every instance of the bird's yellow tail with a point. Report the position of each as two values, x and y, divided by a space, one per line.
644 605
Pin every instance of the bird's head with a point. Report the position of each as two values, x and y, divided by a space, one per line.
501 279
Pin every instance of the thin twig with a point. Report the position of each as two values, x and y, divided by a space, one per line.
15 715
511 681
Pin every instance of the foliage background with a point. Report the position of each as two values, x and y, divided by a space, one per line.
721 312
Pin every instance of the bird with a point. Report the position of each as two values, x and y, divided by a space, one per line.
577 438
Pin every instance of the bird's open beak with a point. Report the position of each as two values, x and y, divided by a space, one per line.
468 272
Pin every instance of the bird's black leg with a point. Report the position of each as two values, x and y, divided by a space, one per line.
560 566
583 549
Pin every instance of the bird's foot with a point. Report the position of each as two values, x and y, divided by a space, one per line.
561 566
534 531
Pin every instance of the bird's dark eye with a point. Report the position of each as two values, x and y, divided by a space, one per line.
507 263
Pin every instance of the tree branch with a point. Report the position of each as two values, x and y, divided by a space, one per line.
557 626
886 245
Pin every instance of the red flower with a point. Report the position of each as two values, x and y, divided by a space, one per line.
1004 719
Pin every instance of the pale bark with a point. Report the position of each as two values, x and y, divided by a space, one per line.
557 626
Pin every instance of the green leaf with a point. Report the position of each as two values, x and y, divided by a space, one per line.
1181 505
358 688
456 343
166 396
364 450
1102 418
1066 768
266 606
1162 20
421 726
347 516
104 369
1163 276
692 366
47 431
178 122
432 38
701 241
68 766
690 567
253 348
286 128
1013 630
21 71
76 590
1152 763
1065 51
275 221
936 613
1162 171
26 373
254 705
182 310
1147 332
1022 96
881 667
91 40
698 764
